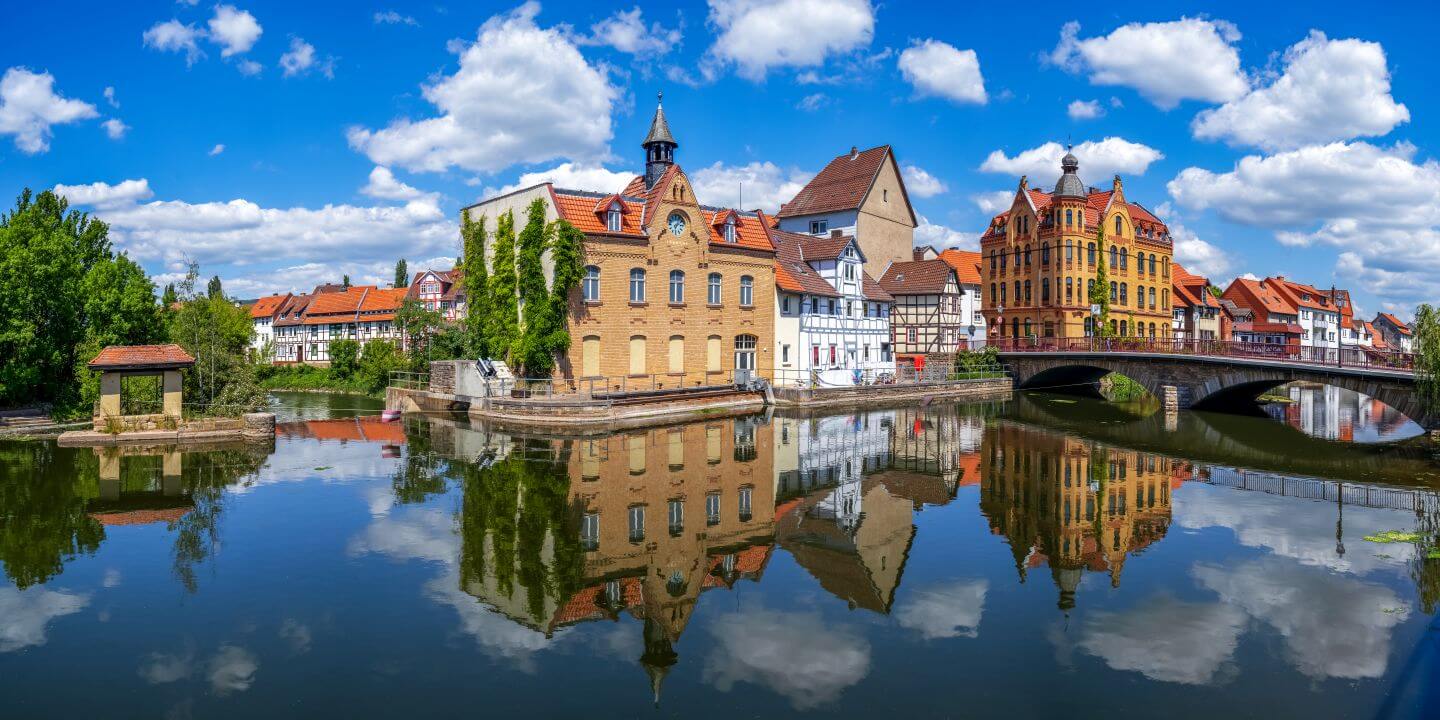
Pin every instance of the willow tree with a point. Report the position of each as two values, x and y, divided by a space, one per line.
1100 292
476 279
501 317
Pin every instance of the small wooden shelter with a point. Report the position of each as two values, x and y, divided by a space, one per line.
117 362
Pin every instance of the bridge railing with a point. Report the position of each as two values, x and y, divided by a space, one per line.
1348 356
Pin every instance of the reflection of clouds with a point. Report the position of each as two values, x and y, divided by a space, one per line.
232 670
495 635
158 668
111 579
417 534
1334 626
1166 639
24 614
295 460
945 610
297 634
794 654
1292 527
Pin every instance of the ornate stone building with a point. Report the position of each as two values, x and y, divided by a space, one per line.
1041 257
675 292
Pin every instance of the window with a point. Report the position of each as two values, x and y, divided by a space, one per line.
1152 264
676 516
745 514
1124 259
1045 253
785 304
637 523
1124 293
590 532
884 195
1152 299
712 292
1027 256
590 288
1119 225
1045 291
637 285
1027 292
730 229
819 227
785 354
747 291
712 508
1069 251
677 287
1002 293
910 335
1114 291
994 298
612 218
1069 289
1069 218
1090 254
1114 257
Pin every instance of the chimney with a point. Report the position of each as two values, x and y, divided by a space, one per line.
837 233
854 151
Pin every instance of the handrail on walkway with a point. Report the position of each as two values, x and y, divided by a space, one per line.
1347 356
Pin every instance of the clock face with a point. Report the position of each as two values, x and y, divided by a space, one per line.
677 224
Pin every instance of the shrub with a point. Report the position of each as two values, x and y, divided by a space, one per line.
343 358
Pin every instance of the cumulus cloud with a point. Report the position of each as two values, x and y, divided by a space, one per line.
219 148
922 184
938 69
384 185
1198 256
114 128
626 31
1166 639
241 232
24 614
1329 90
232 670
813 102
573 176
522 94
234 30
391 17
175 36
110 97
794 654
945 610
1378 203
994 202
162 668
765 185
29 108
756 36
302 58
942 237
1084 110
1098 160
1166 62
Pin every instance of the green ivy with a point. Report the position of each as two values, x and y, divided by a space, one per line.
476 280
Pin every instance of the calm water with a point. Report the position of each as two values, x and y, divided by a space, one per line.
1035 558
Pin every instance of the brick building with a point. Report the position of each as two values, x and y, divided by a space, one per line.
1041 259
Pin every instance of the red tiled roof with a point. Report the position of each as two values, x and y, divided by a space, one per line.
965 263
842 184
142 357
140 517
383 299
792 273
828 247
872 290
1095 203
346 301
588 216
291 310
267 306
1376 339
751 231
1256 295
636 187
1400 327
916 277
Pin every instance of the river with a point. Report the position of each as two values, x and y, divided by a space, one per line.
1042 557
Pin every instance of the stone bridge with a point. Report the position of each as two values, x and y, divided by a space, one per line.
1186 381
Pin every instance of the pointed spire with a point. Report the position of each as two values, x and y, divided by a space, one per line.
659 128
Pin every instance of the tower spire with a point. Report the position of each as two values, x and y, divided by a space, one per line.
659 145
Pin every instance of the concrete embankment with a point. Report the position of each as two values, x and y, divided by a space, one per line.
252 426
866 395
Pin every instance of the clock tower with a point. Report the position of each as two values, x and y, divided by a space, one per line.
659 145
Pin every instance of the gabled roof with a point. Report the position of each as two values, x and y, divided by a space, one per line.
752 230
586 211
965 263
792 272
872 290
142 357
1400 327
1096 203
1257 295
1189 289
917 277
844 184
267 306
828 247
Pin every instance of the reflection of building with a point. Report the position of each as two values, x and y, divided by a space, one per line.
1071 505
365 429
148 491
638 522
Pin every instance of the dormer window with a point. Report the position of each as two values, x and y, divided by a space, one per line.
612 218
730 229
819 227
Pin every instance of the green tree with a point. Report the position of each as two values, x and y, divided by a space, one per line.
344 358
1426 330
345 282
402 274
503 313
169 297
215 289
217 333
43 522
120 308
417 326
379 359
1100 293
476 280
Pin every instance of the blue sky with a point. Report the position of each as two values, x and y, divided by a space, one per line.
282 144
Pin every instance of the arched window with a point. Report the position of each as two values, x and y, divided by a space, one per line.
1069 251
1114 291
590 288
1152 263
637 285
993 297
1002 294
1124 295
677 287
1152 298
1114 257
747 291
1015 327
1028 331
612 218
1027 292
1090 254
1027 256
1124 259
712 291
1044 291
1069 218
1165 267
1164 299
1045 253
1004 257
1119 225
1089 288
1069 289
1018 297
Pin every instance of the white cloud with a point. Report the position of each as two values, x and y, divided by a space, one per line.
522 94
232 670
1099 161
24 614
922 184
240 232
1166 639
762 185
796 655
234 30
390 17
939 69
756 36
1084 110
219 148
813 102
1198 256
110 97
175 36
946 610
1166 62
941 237
626 31
249 67
994 202
1329 90
104 195
114 128
162 668
572 176
29 108
385 186
302 59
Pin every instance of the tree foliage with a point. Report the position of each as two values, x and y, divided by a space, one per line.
476 280
502 315
217 333
344 358
1100 293
378 360
402 274
1426 331
215 289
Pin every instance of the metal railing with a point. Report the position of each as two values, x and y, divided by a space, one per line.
859 377
1347 356
409 380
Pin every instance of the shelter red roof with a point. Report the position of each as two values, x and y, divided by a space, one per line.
142 357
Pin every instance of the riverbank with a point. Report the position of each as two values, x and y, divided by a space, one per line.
311 379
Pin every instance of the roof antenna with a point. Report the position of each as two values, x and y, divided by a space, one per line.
659 97
742 196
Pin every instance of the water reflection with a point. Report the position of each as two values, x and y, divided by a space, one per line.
1332 413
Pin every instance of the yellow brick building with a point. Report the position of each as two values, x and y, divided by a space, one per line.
1040 258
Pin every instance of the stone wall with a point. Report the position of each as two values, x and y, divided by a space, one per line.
988 389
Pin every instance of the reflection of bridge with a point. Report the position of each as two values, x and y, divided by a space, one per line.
1372 496
1218 377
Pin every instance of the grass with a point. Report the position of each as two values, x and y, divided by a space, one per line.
309 377
1393 536
1122 388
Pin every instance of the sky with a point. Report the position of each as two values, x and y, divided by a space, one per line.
281 144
